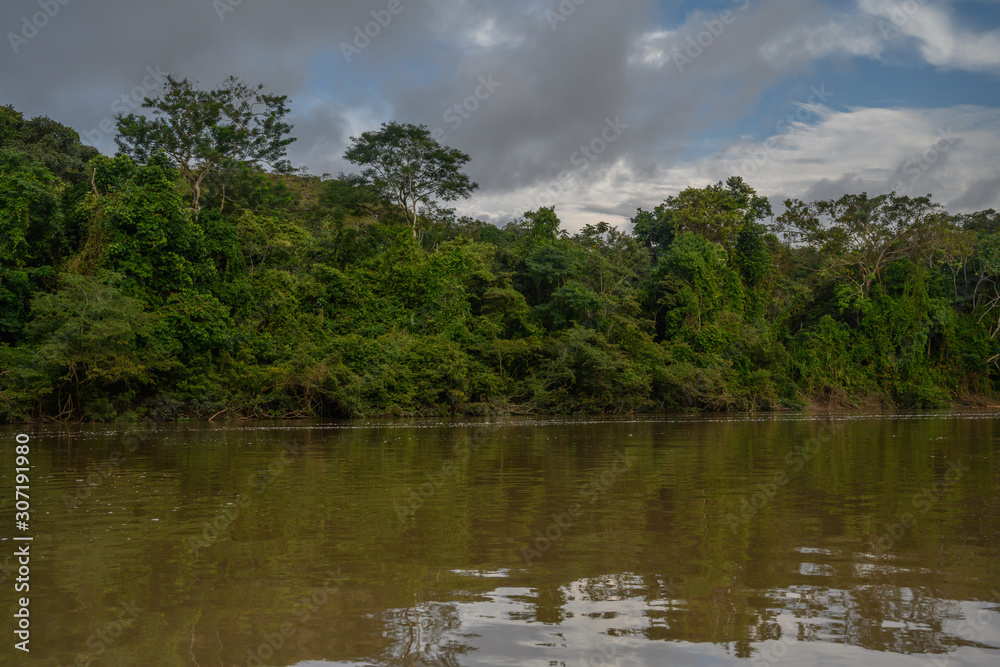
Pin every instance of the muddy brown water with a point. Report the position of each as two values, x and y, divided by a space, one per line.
785 539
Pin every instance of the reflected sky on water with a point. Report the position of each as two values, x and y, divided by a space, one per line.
691 540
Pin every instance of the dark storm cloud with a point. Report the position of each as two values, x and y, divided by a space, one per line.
324 126
91 53
557 89
559 86
604 95
561 75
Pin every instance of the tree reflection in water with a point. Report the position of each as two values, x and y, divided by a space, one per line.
602 620
652 572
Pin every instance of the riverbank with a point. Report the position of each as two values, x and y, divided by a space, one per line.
291 296
815 405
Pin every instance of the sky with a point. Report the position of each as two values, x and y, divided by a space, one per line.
597 108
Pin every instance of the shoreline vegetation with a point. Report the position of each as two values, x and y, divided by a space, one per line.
195 275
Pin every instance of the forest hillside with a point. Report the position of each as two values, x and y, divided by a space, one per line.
132 287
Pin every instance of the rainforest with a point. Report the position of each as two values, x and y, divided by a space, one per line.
222 284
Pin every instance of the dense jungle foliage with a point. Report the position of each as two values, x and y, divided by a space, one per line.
131 288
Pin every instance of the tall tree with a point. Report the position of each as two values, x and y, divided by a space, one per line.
410 168
857 236
202 131
717 212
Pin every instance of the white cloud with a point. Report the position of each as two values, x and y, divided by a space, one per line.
653 48
908 150
807 42
941 42
949 153
489 34
811 35
870 33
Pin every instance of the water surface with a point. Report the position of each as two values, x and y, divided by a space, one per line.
703 540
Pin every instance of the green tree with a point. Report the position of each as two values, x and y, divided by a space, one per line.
89 347
410 168
717 212
203 131
654 229
858 236
140 228
31 235
45 141
697 286
752 259
350 195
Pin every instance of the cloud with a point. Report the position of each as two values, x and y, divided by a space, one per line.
911 151
981 194
848 37
941 42
558 82
947 152
556 86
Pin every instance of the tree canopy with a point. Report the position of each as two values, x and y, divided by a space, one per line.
295 296
203 131
407 166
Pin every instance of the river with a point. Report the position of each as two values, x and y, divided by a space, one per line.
787 539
